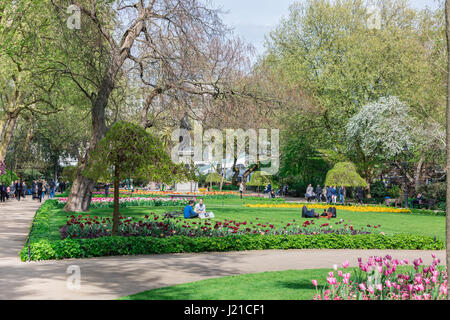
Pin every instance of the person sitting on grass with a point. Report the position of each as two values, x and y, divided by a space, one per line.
331 213
189 212
200 207
309 214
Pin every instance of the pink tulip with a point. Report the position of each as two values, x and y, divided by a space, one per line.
379 287
388 284
362 286
314 282
345 264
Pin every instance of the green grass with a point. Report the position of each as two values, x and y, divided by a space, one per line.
391 223
279 285
275 285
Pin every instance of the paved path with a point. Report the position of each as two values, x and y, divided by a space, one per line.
113 277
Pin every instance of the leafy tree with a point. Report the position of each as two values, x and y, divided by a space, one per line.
344 174
213 177
128 150
69 173
7 178
258 180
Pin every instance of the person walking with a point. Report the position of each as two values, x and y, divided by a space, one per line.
360 195
106 190
329 195
18 191
24 189
269 190
3 192
51 187
341 194
319 193
241 188
334 194
40 187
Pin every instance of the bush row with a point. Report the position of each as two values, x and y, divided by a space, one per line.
45 249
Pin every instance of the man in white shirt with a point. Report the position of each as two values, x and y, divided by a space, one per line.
200 207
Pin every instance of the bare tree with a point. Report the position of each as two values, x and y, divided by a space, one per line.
153 34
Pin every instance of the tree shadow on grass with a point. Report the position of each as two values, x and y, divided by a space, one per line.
297 285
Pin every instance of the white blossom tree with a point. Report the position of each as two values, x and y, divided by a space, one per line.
382 128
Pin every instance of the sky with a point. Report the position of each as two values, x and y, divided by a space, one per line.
252 19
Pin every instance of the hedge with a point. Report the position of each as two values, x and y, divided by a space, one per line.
45 249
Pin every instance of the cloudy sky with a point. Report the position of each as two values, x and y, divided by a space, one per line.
252 19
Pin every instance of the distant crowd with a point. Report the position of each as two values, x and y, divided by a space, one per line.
38 190
331 194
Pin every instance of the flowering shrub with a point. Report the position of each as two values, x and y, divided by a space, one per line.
153 225
379 279
323 206
133 202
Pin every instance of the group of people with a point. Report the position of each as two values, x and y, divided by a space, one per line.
38 190
197 211
327 194
330 194
16 190
330 213
41 188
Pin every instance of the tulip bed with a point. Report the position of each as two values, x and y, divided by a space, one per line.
379 279
297 284
133 202
57 235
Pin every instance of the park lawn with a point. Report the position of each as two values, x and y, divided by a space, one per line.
272 285
278 285
233 209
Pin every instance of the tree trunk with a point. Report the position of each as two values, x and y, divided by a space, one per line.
7 136
116 214
447 18
234 179
82 187
417 174
247 173
3 123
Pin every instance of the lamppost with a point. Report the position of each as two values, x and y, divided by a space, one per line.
405 149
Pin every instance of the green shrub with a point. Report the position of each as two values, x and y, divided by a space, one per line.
111 246
435 191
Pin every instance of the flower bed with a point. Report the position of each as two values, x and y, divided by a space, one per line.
378 279
133 202
338 207
152 225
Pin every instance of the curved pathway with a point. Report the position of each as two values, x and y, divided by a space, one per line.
113 277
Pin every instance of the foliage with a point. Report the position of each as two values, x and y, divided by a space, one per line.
344 174
69 173
45 249
6 178
258 180
213 177
436 191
